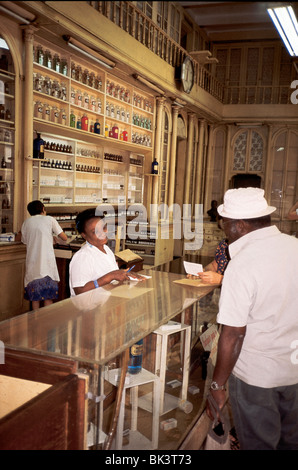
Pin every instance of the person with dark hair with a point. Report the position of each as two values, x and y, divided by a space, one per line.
212 212
94 265
259 328
41 276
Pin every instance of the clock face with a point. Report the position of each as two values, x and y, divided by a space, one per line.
187 75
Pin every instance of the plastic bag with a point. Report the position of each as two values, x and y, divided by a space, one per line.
218 434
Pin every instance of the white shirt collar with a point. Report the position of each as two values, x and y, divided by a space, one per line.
259 234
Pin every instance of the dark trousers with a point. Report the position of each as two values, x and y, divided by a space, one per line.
264 418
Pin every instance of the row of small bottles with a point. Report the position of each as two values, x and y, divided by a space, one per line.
115 112
82 122
88 168
50 113
59 164
141 102
3 163
141 121
5 113
136 161
118 91
141 139
50 87
114 132
113 157
56 147
52 61
85 76
84 100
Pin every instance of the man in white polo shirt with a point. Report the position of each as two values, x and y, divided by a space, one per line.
258 311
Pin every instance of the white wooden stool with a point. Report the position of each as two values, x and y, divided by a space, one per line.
170 402
137 441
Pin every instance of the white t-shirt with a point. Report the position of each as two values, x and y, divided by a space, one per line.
89 264
259 291
37 235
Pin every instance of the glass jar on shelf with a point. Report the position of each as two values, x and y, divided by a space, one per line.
63 92
2 111
46 112
112 110
39 54
72 119
79 98
55 114
64 67
38 82
79 73
72 96
86 100
38 109
47 86
85 77
92 80
57 63
73 71
63 117
7 115
47 59
92 103
99 106
127 96
55 89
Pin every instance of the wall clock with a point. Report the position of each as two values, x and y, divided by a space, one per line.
185 74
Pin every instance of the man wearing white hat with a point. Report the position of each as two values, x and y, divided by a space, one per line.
258 311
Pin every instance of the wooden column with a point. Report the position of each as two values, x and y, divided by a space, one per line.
157 147
228 159
28 113
188 175
173 155
268 165
199 166
209 168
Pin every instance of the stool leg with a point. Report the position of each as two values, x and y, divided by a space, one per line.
134 407
163 362
155 412
186 361
157 353
120 424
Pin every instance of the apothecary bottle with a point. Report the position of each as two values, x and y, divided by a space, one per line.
72 119
38 147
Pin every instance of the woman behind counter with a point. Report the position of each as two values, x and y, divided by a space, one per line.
94 265
41 276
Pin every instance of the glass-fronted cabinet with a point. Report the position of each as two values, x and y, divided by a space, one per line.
7 137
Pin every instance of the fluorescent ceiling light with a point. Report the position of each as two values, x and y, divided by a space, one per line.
90 53
148 83
285 21
14 15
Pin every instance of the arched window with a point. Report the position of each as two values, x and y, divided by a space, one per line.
248 153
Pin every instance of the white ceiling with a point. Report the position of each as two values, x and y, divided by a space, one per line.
234 20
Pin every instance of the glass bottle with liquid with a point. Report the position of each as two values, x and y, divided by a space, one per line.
154 167
135 358
38 147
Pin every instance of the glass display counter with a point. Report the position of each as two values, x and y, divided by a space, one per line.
96 330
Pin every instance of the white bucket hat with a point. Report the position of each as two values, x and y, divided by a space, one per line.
245 203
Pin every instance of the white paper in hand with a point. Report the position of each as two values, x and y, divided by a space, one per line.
192 268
